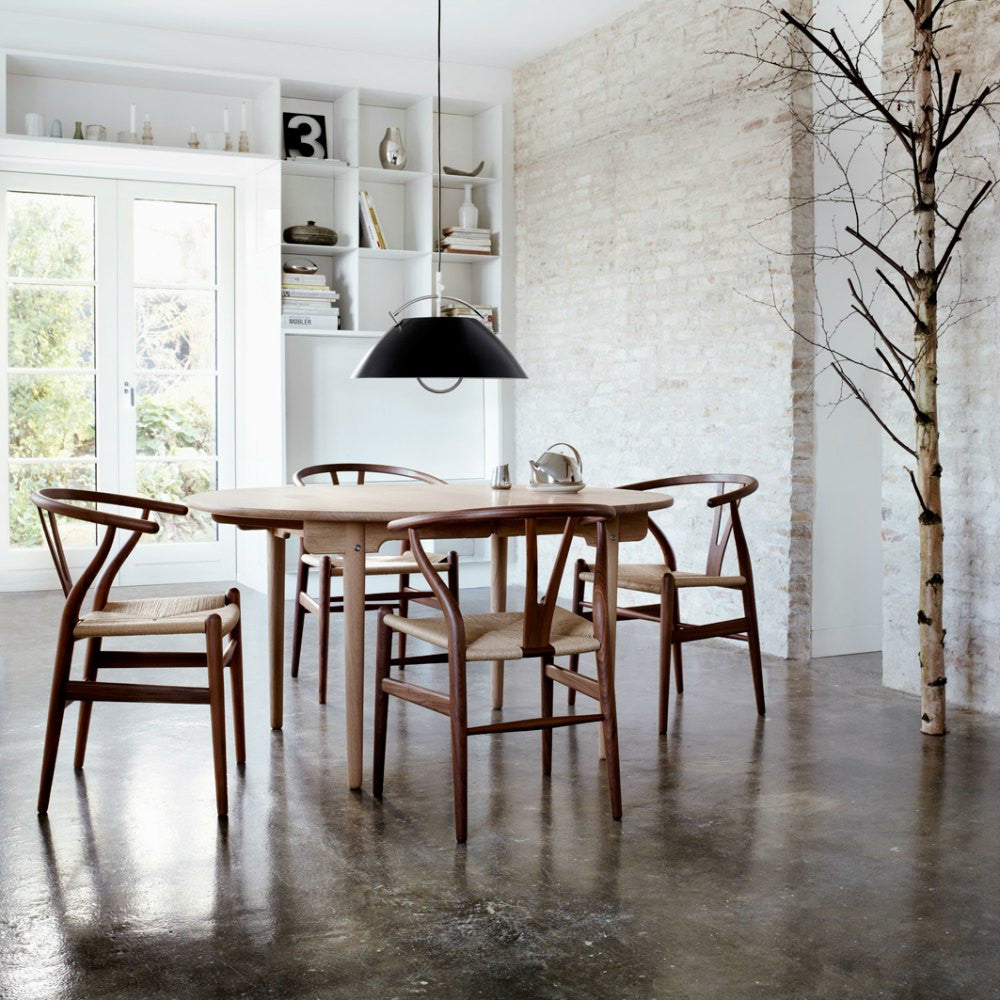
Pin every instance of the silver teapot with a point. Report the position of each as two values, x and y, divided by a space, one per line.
555 468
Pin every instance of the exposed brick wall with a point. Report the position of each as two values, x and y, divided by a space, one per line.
643 173
969 391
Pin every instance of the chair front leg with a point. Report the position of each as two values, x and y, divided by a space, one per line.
404 610
323 616
753 642
236 682
678 646
577 606
301 587
383 647
668 601
217 709
53 727
459 743
86 707
609 729
548 688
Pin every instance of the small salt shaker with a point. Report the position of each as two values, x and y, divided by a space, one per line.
501 477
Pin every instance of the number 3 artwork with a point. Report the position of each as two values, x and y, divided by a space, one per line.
305 136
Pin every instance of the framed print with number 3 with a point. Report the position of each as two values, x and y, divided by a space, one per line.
305 136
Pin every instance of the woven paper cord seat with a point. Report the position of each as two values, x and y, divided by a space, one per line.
648 578
498 636
158 616
379 565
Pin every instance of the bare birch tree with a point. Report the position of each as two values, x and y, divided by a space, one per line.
919 110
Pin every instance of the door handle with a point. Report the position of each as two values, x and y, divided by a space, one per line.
129 391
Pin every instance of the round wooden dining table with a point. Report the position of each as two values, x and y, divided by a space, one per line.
352 520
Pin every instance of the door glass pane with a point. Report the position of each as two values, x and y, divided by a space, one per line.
50 236
176 333
175 243
175 329
51 416
175 481
25 527
50 327
50 362
175 415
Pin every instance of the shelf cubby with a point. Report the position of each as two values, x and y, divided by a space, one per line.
99 92
404 212
378 111
384 284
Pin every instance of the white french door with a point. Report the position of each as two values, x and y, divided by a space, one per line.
116 331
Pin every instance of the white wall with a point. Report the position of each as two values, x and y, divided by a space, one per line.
642 168
847 527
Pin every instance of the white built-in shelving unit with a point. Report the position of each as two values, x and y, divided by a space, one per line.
328 416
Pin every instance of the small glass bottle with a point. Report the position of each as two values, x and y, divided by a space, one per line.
468 214
78 131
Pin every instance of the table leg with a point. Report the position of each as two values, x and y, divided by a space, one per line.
354 649
498 602
613 529
276 623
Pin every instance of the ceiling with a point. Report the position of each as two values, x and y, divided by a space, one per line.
503 33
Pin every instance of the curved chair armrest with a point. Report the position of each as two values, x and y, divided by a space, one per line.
733 496
55 504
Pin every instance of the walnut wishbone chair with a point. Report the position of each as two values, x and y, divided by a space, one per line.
665 580
376 564
542 629
214 617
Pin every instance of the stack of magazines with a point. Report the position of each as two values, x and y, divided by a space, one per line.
455 239
308 303
459 310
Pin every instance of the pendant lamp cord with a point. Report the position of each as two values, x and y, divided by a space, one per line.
439 236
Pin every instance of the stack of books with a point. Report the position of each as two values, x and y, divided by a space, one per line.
308 303
459 310
454 239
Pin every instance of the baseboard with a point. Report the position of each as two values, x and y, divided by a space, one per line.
846 640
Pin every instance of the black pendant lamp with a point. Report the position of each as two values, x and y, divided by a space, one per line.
437 346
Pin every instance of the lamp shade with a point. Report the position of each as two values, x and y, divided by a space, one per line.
439 347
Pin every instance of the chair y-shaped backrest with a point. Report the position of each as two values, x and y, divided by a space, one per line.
54 503
725 524
335 470
538 519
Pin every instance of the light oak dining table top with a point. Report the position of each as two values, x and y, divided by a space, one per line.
382 502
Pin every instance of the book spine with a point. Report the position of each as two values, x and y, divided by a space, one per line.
303 279
307 308
311 322
369 237
308 293
374 217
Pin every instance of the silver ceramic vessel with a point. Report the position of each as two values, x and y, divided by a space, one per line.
391 151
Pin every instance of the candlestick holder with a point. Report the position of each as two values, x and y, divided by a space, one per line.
147 133
229 142
244 142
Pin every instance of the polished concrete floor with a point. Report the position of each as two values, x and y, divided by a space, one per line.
827 851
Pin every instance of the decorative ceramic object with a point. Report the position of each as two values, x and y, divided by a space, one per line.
468 214
312 234
147 131
34 123
128 138
193 138
78 131
228 147
300 265
501 478
391 151
96 133
214 140
244 145
56 130
475 172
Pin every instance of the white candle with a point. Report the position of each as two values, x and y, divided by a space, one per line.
131 119
243 116
225 119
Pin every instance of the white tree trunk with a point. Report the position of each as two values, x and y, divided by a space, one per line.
928 474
